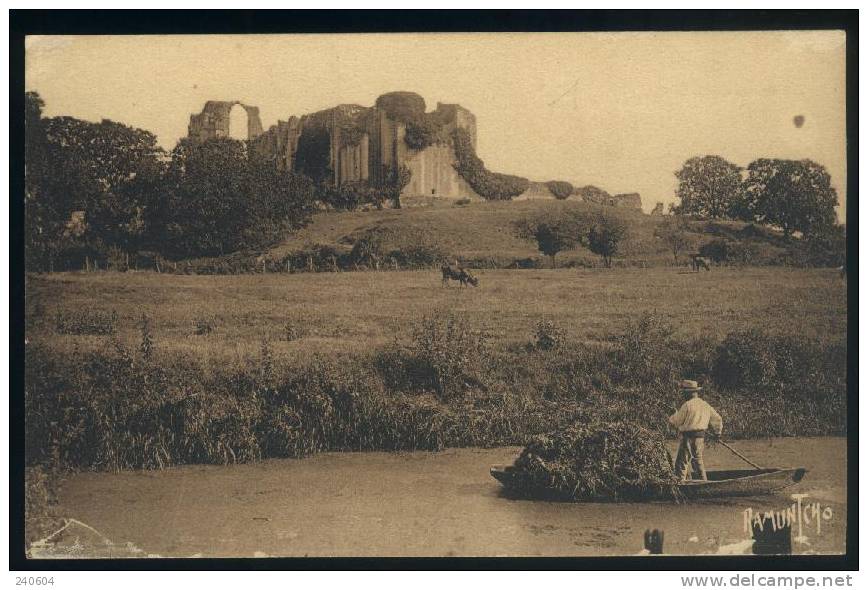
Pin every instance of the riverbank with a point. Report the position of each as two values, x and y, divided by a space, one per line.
417 504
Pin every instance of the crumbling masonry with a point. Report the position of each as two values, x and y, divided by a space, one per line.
354 144
351 143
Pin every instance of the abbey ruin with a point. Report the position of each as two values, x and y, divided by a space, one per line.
350 143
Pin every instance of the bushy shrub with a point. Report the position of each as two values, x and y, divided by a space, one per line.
349 196
86 323
369 250
745 359
644 351
421 133
755 359
419 255
445 357
696 356
578 375
560 188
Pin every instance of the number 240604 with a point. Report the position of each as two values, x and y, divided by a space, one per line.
34 581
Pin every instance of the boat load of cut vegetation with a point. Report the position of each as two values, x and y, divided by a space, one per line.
602 461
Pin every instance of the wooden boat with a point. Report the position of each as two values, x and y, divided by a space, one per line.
742 482
720 484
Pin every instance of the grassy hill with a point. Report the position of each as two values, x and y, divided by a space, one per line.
483 233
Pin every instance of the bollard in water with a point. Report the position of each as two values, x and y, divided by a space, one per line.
654 541
772 538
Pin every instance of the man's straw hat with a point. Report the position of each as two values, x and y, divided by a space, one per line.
689 385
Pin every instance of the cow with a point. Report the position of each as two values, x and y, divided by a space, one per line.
456 273
701 262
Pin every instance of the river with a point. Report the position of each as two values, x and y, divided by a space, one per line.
418 504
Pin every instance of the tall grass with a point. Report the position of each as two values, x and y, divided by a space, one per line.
120 407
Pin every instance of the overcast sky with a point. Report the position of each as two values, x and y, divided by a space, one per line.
622 111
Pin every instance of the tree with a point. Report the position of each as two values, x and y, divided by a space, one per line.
218 200
39 219
708 186
795 195
99 169
606 236
676 234
552 234
396 180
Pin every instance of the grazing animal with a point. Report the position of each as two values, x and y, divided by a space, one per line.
456 273
701 262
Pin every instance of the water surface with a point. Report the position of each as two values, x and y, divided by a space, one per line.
418 504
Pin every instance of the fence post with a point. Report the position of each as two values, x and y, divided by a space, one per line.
654 541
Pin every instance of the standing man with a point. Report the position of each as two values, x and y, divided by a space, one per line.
692 419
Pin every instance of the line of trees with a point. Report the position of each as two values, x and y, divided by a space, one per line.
794 195
108 192
603 234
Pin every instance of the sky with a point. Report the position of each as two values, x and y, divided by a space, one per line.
621 111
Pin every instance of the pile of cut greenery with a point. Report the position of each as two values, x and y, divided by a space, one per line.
603 461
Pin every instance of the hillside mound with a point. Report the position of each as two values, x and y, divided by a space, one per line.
481 233
484 235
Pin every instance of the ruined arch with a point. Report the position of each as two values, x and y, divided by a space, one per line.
238 122
216 117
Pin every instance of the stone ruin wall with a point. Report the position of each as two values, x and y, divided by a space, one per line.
433 175
627 201
280 143
380 149
623 200
213 121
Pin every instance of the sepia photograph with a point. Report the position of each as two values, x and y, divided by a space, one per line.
435 294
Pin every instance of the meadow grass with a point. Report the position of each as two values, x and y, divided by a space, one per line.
336 313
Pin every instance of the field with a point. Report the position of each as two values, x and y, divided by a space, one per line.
356 312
